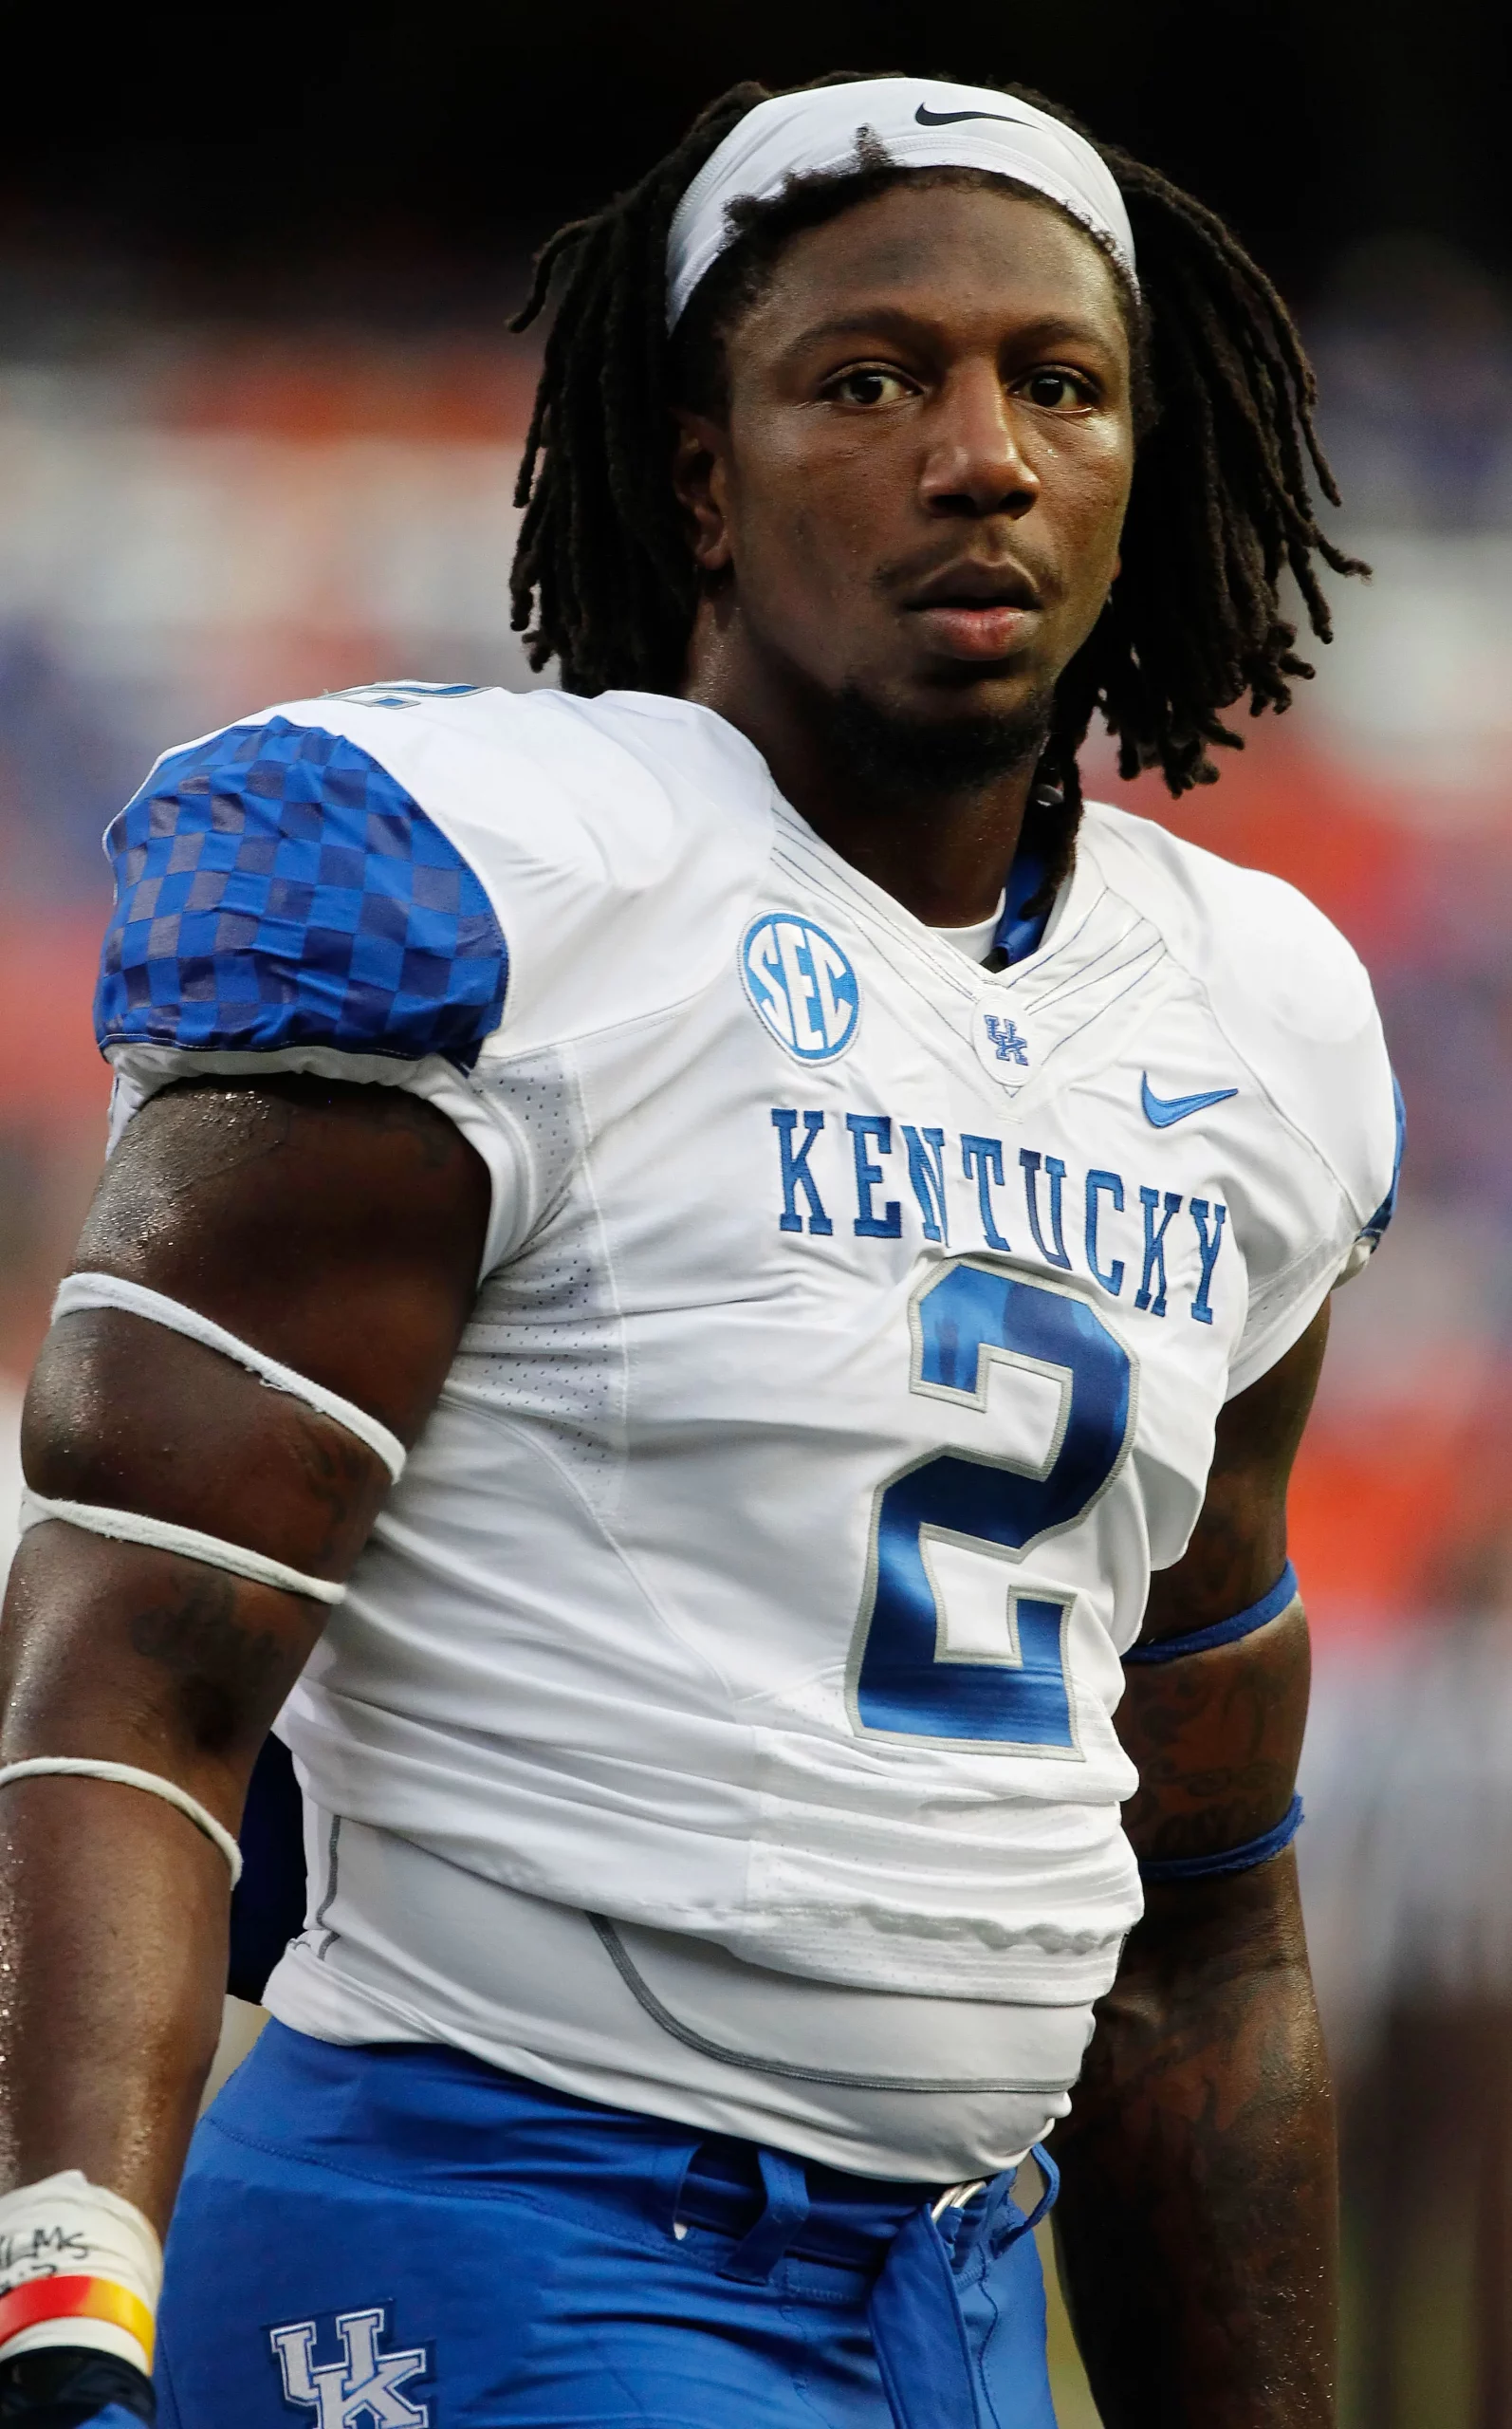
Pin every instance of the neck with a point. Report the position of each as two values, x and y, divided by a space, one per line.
931 815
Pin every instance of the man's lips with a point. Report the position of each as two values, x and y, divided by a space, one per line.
976 581
960 631
975 610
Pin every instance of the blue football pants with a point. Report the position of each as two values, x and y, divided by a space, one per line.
402 2237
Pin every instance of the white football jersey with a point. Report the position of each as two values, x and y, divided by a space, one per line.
852 1330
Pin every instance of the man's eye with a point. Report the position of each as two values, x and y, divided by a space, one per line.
869 388
1057 391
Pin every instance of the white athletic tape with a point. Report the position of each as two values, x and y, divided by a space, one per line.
85 1767
91 2260
78 1291
161 1534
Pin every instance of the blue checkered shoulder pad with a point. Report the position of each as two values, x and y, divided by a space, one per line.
275 887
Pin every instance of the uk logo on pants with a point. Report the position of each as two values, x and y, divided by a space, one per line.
363 2390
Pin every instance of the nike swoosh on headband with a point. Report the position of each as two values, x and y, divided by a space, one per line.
926 116
1163 1111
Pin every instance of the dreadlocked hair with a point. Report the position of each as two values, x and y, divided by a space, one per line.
1220 507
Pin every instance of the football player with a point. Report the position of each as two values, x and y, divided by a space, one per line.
705 1294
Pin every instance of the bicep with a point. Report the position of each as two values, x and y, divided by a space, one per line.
335 1229
1216 1734
337 1226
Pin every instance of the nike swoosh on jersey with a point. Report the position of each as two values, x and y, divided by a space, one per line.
926 116
1163 1111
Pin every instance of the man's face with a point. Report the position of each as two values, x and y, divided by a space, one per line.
918 492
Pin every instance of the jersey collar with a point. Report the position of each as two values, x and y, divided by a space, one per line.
1019 932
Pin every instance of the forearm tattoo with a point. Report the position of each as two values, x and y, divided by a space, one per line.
1197 2223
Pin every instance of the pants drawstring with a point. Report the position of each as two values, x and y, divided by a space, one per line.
923 2352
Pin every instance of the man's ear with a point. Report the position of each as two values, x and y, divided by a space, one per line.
699 480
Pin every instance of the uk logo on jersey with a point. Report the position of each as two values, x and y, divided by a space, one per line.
363 2389
802 986
1009 1045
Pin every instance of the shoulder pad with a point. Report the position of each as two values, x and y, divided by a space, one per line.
276 885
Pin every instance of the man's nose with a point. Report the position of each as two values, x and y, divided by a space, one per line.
975 464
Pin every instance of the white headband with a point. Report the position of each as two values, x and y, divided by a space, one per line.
919 125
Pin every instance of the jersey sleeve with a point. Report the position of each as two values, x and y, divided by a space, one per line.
283 902
442 888
1317 1149
1328 1172
1371 1233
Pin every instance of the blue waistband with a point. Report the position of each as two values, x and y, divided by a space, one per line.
435 2119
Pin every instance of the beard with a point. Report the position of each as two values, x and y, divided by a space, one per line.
908 756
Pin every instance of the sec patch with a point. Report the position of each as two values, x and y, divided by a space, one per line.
800 985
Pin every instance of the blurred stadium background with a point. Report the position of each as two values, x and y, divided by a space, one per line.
259 421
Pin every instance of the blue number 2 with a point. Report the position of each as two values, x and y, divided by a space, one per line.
904 1682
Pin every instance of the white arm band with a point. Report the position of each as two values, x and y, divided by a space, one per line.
161 1534
85 1766
80 1290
